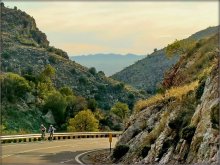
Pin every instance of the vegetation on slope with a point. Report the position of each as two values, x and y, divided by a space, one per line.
179 122
147 74
42 71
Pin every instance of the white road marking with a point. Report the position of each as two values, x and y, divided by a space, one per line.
78 156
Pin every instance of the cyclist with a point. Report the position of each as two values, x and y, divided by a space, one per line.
43 130
51 131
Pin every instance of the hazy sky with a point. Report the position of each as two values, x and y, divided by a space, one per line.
118 27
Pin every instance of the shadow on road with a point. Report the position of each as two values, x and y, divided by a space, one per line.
64 157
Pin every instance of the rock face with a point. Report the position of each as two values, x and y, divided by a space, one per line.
179 131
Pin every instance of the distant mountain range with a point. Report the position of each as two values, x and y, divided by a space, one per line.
108 63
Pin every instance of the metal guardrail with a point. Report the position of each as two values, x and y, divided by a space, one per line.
56 136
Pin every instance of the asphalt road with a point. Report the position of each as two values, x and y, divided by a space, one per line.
50 153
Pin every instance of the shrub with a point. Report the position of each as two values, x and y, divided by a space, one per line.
188 133
66 91
119 87
30 78
14 86
117 127
145 151
175 123
53 59
92 70
120 151
57 51
73 71
83 80
6 55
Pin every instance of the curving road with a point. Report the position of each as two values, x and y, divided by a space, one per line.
50 153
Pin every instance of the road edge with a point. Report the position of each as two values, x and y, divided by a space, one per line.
77 158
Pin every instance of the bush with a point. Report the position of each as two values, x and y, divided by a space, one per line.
83 80
30 78
73 71
188 133
53 59
6 55
119 86
175 123
120 151
92 70
145 151
14 86
57 51
66 91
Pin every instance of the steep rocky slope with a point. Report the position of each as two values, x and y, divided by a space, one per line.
26 50
181 125
147 73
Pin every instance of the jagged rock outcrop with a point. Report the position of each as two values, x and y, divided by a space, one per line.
180 127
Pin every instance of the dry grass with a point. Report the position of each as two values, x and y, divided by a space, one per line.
176 92
206 71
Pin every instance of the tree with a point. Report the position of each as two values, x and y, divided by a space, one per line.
179 47
71 102
14 86
57 104
75 104
120 109
92 104
83 121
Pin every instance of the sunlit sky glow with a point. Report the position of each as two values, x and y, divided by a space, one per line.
118 27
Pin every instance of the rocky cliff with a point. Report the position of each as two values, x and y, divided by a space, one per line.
181 125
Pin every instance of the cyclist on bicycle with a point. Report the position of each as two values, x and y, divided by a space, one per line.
43 130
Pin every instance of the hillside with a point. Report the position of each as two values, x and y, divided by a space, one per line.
146 74
181 124
108 63
43 68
